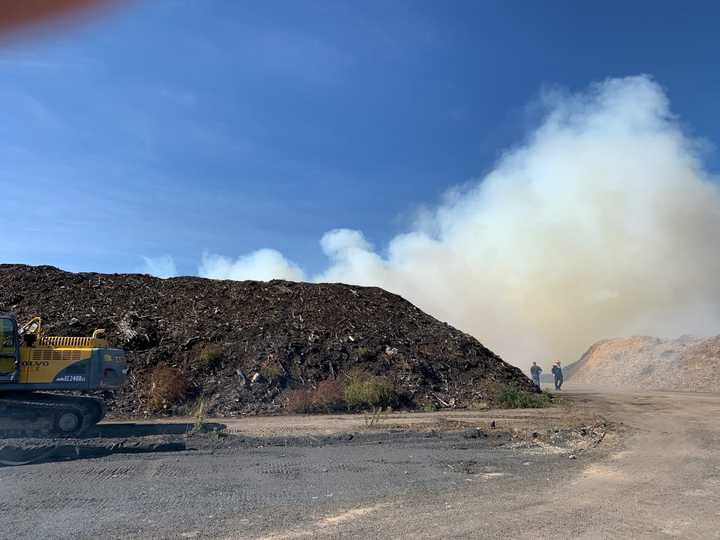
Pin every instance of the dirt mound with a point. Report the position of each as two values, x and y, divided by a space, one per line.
242 346
648 363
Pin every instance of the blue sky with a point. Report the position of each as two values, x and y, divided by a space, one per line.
182 127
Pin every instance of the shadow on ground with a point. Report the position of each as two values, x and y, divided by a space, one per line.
121 431
103 440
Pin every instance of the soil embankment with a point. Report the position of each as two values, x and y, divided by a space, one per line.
648 363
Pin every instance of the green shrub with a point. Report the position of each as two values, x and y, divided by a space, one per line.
363 353
271 369
514 398
366 390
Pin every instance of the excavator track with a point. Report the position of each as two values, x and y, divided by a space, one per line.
34 415
41 415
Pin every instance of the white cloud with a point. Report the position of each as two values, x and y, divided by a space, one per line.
338 241
261 265
162 267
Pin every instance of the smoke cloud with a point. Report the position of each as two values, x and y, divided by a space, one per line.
602 223
261 265
162 266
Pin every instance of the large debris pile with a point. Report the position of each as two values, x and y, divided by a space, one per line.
243 345
649 363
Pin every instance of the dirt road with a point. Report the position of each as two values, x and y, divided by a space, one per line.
662 481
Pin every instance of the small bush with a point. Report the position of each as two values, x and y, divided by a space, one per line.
479 405
363 353
199 416
430 407
375 418
166 386
513 398
366 390
271 369
328 396
299 401
209 356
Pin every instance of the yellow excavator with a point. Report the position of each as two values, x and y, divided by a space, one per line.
34 367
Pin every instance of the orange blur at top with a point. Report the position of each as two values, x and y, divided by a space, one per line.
21 14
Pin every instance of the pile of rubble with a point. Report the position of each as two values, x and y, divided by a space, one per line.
649 363
241 346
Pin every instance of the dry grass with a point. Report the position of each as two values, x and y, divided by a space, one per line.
209 357
199 416
271 368
328 396
166 386
375 418
364 353
271 371
299 401
358 391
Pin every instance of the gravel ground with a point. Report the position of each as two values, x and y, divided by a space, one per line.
656 476
258 477
254 486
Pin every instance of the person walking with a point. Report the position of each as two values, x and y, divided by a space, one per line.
535 372
558 374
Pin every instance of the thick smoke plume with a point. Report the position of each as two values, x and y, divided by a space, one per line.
603 223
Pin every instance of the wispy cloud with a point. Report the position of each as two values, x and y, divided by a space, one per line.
162 266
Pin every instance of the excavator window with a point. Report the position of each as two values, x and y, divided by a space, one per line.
8 340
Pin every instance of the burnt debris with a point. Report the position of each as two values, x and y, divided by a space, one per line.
241 346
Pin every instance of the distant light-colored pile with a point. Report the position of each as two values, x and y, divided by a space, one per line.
648 363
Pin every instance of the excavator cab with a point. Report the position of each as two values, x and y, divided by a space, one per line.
9 350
